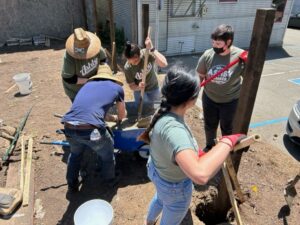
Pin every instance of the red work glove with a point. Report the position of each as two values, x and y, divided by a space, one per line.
201 152
234 138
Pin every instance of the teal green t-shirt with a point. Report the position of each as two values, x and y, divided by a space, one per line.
84 68
134 73
169 136
226 87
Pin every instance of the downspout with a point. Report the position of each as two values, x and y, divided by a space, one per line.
157 25
167 29
139 22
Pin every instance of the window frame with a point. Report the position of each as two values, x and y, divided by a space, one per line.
228 1
182 16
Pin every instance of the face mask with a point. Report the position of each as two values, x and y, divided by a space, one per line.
219 50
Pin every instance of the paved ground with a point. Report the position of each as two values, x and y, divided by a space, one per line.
276 94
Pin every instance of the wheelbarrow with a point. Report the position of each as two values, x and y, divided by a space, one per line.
125 133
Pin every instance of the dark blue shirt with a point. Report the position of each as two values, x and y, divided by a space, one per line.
93 101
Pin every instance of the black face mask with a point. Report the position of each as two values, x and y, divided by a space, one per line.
219 50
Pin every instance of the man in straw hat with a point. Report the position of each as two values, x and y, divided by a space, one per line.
85 126
83 56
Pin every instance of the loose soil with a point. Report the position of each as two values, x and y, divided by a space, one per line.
263 171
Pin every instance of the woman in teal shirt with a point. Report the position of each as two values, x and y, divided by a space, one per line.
174 163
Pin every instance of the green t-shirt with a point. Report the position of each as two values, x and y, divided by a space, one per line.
134 73
169 136
226 87
84 68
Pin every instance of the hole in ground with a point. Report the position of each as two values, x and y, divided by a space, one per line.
208 215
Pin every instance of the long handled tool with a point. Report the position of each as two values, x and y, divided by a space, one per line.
242 57
14 141
63 143
140 108
229 172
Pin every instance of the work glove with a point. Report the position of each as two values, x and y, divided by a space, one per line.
234 139
201 152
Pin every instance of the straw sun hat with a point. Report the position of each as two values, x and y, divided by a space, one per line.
104 72
83 44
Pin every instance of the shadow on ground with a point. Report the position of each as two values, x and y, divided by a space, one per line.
291 147
133 172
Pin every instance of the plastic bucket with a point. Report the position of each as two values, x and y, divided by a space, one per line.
94 212
23 82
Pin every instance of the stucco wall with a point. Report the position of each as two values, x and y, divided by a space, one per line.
27 18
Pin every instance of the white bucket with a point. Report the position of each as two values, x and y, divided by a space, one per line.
24 83
94 212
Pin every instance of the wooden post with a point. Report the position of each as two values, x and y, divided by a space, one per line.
26 190
112 32
84 14
262 30
113 57
96 17
256 58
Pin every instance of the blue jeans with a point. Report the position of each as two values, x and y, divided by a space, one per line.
80 141
172 199
149 96
215 113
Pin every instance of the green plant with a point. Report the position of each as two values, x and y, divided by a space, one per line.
119 38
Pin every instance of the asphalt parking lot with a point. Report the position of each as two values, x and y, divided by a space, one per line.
278 91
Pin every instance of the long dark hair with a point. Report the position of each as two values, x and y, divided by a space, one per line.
179 87
131 50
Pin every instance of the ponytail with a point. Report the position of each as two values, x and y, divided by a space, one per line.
163 109
131 50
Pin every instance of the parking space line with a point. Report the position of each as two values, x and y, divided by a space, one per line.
279 73
268 122
295 81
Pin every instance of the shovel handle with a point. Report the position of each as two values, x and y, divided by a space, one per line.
247 142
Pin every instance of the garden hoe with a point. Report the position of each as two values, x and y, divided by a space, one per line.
290 191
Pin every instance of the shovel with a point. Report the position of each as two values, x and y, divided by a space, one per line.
290 191
140 108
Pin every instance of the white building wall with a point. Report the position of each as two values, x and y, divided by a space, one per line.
123 16
185 35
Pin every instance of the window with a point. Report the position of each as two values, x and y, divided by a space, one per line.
183 8
279 5
188 8
221 1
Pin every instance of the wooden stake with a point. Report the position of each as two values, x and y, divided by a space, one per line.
113 57
233 176
110 57
22 164
231 195
9 89
112 30
28 173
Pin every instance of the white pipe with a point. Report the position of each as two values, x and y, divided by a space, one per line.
139 18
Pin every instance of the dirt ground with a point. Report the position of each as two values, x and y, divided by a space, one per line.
263 172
